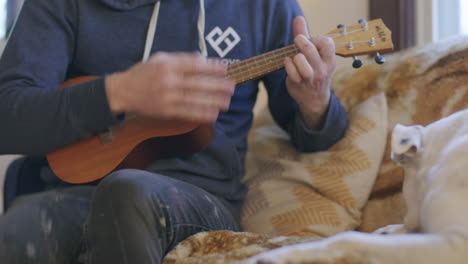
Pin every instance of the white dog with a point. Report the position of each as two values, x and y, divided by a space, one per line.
435 229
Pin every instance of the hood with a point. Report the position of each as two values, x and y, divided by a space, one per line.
127 4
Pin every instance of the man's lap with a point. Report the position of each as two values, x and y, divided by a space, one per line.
49 225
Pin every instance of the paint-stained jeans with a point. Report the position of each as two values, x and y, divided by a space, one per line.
132 216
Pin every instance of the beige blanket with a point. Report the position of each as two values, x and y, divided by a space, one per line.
219 247
296 197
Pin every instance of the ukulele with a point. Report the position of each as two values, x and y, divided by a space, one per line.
139 140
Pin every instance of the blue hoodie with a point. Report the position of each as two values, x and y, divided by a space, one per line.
55 40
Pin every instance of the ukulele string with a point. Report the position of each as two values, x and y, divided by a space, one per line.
255 67
345 33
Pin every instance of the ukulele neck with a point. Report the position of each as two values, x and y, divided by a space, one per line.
260 65
367 37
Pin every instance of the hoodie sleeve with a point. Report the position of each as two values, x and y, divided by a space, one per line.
36 116
282 106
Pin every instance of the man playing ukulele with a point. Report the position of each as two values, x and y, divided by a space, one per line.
150 55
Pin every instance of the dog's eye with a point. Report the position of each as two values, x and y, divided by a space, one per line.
404 141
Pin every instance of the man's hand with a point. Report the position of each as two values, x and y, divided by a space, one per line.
172 86
310 73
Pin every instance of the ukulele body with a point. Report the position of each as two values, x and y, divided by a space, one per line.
133 144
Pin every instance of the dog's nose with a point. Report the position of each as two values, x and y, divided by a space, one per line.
398 159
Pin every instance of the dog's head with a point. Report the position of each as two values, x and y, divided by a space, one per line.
406 144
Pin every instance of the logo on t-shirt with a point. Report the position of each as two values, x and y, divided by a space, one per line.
223 42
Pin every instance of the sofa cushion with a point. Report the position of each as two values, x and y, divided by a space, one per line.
313 194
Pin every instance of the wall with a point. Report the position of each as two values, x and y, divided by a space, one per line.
324 16
425 21
2 45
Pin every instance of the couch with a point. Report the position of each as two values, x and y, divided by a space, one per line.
296 197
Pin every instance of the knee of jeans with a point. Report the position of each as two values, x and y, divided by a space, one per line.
125 187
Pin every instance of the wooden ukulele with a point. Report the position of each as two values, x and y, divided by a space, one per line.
139 141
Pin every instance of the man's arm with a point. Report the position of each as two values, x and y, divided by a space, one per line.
286 113
309 78
36 116
300 98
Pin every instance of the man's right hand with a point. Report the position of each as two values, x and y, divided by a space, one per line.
179 86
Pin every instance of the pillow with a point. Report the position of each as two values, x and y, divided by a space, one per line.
422 85
313 194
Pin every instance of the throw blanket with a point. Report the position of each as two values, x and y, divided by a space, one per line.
296 197
219 247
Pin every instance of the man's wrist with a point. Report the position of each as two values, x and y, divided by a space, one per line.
114 100
314 115
313 121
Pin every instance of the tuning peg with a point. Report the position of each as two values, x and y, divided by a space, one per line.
357 63
379 58
364 24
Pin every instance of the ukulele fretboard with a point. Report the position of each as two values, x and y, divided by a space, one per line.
260 65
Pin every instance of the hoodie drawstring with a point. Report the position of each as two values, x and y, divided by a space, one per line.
201 29
153 26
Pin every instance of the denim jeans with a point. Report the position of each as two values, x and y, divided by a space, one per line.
131 216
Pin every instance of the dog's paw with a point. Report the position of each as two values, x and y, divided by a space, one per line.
391 229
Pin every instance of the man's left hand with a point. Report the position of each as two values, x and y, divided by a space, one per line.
310 73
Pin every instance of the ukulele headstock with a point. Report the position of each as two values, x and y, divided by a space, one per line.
366 37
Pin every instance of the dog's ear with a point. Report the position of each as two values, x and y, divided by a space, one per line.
406 140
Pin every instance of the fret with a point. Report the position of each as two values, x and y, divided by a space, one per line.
258 62
250 69
264 58
260 65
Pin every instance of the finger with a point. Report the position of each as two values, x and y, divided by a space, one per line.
310 52
300 27
196 64
303 67
189 63
204 100
196 111
205 115
204 92
292 71
207 84
158 57
326 48
195 92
